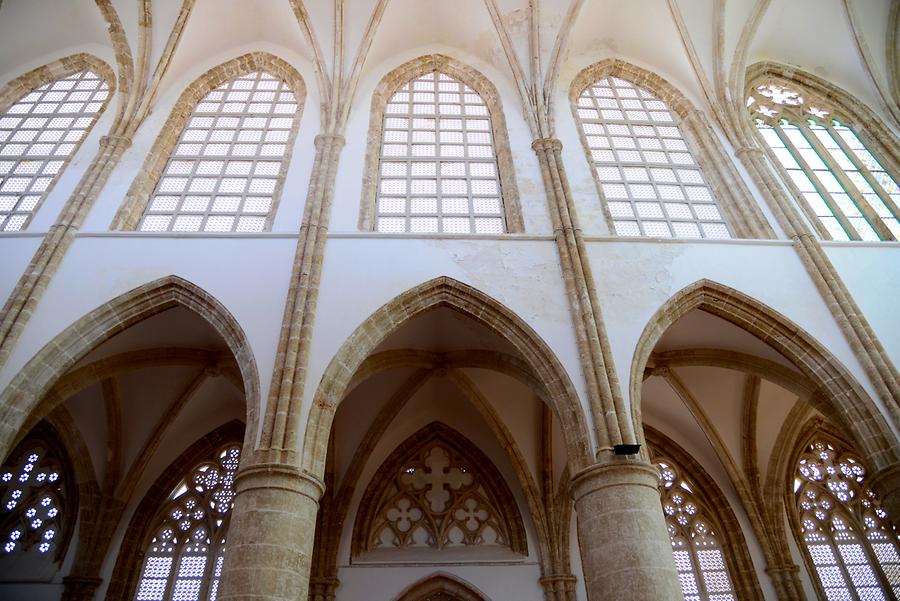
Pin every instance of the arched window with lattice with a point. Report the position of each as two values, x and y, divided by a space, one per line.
848 192
437 492
38 500
438 159
699 556
226 170
849 542
41 130
643 165
185 550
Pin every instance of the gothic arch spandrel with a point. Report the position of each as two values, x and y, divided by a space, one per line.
38 376
843 396
437 490
472 303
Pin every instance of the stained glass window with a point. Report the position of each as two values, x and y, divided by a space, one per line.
225 172
649 178
33 496
848 537
183 561
438 169
843 184
38 135
699 557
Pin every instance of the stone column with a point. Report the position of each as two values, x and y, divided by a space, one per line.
76 588
786 580
559 587
271 535
625 549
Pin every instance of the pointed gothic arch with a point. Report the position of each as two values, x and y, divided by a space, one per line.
474 304
843 396
452 587
35 379
142 188
485 492
509 193
743 216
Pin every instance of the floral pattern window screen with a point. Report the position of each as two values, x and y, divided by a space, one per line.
844 186
33 496
651 183
225 171
438 169
848 537
183 561
699 557
39 134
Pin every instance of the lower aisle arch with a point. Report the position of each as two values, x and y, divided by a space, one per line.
844 396
474 304
452 588
42 371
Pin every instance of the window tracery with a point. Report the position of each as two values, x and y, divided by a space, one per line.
225 171
699 557
39 134
436 491
184 557
34 496
648 175
438 171
844 185
847 535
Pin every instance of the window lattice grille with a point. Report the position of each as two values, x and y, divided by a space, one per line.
438 169
184 558
32 494
224 173
699 558
38 136
651 183
847 534
845 187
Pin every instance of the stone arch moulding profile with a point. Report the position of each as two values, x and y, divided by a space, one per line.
844 398
498 496
32 382
488 92
441 583
14 90
470 302
127 569
129 214
734 197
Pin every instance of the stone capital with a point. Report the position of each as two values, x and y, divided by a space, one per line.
616 473
80 588
322 139
552 144
113 140
279 476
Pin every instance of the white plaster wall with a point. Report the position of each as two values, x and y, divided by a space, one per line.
635 279
361 274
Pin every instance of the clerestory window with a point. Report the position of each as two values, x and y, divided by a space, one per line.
438 171
226 170
643 166
39 134
844 185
